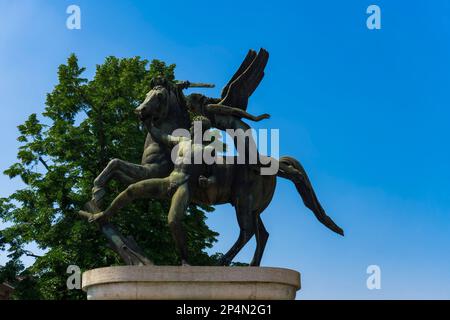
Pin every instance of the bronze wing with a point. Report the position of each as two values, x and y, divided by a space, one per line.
246 79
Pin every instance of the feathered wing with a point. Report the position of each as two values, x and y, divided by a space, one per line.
244 65
245 81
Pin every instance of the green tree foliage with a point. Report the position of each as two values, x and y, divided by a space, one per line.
85 124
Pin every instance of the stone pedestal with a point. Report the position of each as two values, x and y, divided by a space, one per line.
190 283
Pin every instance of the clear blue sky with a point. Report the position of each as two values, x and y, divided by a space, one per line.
366 112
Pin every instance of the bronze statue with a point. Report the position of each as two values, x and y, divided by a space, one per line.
164 110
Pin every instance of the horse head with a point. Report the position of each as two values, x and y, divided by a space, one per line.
155 107
163 104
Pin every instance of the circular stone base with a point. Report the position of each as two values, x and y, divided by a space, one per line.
190 283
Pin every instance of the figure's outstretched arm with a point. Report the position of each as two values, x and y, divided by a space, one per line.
240 113
163 138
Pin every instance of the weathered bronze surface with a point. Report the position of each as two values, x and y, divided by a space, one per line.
165 109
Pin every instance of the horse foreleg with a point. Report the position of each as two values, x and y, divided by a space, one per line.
126 173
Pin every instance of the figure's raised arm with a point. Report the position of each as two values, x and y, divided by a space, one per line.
164 138
237 112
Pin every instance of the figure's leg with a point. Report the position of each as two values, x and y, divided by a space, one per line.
261 239
150 188
178 206
126 173
247 230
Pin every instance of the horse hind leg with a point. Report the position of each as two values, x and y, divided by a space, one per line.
247 230
261 239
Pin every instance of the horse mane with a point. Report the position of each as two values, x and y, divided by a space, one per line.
180 108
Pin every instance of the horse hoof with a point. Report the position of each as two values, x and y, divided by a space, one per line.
184 263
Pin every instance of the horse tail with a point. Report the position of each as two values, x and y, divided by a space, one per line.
290 168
